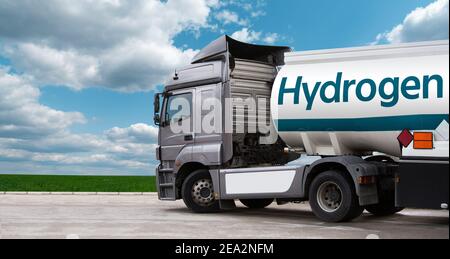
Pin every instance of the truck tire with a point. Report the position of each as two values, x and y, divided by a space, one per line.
257 203
333 198
385 207
198 192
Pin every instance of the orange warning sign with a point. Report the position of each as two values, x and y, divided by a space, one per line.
423 140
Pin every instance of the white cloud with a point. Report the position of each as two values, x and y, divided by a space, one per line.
422 24
271 38
214 3
124 45
258 13
96 25
93 160
121 45
21 114
246 35
228 17
35 134
248 6
50 66
89 150
250 36
84 150
137 133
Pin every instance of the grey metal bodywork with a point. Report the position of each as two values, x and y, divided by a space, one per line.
197 75
211 67
355 167
211 73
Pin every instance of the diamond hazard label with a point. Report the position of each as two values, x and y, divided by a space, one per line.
405 138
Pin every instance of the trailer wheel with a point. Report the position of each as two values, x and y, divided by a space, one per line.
257 203
198 192
333 198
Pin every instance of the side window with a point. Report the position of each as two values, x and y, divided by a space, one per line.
178 108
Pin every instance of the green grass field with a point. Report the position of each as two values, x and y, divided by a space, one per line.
50 183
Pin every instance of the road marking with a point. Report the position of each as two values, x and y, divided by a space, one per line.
72 236
373 236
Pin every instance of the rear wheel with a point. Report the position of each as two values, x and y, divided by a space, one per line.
257 203
383 210
385 207
198 192
333 197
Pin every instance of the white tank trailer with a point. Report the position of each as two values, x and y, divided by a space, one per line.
376 117
357 101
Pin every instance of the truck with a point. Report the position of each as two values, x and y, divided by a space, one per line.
234 121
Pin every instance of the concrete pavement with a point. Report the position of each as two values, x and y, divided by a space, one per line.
143 216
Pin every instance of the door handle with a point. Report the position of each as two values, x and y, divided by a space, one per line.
188 138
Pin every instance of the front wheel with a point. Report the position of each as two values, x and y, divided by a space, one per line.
257 204
333 197
198 192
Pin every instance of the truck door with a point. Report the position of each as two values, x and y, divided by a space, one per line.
206 108
208 125
176 131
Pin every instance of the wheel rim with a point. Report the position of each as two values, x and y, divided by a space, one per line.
329 197
203 192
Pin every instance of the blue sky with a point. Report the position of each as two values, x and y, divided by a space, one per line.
309 25
77 78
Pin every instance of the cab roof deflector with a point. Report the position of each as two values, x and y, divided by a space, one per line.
240 50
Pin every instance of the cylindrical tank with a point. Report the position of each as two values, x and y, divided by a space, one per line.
358 101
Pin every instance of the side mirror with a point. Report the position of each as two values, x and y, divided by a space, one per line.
156 103
157 108
157 119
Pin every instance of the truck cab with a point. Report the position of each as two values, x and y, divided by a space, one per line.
224 70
